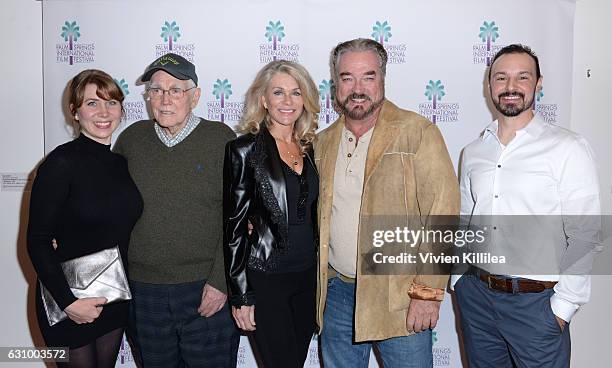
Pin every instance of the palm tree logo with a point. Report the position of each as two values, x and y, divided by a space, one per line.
222 89
170 33
274 33
434 92
325 89
538 96
488 33
70 33
123 85
382 32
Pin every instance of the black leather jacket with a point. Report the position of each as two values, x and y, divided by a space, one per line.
255 192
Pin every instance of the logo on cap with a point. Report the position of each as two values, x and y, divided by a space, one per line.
166 59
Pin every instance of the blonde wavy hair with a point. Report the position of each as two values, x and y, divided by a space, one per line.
255 113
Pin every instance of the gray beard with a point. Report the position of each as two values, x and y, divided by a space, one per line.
360 114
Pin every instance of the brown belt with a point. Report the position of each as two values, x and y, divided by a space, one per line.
505 284
331 272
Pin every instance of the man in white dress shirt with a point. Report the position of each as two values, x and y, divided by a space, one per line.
537 185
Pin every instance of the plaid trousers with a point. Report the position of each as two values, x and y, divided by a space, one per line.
169 331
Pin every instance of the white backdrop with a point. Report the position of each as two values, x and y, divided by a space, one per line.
438 52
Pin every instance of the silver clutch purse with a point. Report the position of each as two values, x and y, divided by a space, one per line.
99 274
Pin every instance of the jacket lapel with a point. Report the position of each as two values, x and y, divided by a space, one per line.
329 154
382 136
276 176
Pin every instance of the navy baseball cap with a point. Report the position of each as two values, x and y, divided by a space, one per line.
173 64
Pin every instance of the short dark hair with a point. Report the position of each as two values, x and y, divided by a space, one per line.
517 48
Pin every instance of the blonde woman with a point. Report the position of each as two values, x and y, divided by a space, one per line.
272 183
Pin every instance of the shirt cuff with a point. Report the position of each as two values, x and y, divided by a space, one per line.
453 281
562 308
425 293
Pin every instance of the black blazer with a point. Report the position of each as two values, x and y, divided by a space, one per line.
254 191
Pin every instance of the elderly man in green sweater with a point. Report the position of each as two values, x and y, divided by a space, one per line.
179 314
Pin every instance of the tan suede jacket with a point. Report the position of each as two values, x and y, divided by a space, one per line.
408 173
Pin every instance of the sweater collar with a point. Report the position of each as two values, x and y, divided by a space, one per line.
91 145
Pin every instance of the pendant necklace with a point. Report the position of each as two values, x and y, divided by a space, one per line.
294 159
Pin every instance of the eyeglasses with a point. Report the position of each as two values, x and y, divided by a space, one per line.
175 93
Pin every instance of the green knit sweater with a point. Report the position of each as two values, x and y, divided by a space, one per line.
179 237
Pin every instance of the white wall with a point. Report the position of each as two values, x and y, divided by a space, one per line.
591 95
590 117
21 147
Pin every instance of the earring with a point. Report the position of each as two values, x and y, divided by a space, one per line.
76 116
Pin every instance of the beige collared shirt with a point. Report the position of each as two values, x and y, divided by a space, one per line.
346 204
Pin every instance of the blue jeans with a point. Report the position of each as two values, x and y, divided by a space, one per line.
340 351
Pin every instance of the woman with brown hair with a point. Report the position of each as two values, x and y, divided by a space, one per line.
84 198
